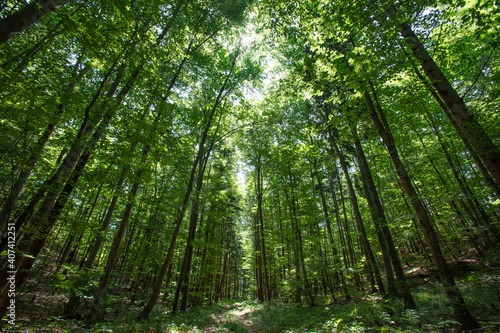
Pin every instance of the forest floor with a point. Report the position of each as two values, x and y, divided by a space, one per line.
234 318
41 304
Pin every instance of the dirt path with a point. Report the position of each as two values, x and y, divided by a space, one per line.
217 321
243 315
234 320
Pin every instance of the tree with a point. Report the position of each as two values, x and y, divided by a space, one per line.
27 16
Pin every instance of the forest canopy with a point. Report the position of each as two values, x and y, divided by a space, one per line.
161 158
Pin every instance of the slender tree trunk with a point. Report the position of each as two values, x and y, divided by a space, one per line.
115 248
261 221
65 250
81 142
460 310
22 59
357 215
385 237
341 237
188 254
336 262
113 257
220 285
32 243
88 214
53 204
472 202
105 223
343 226
377 222
52 186
71 306
258 259
295 246
178 222
300 254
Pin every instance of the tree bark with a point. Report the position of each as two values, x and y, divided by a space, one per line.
105 223
178 222
193 221
342 238
46 217
54 183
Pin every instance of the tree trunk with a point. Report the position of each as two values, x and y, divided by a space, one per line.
56 199
178 222
26 17
105 223
462 314
11 203
338 275
261 221
157 287
71 306
193 220
485 148
53 184
258 259
472 202
299 245
33 242
115 248
385 238
357 214
341 237
486 175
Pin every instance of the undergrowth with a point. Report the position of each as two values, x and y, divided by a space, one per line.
364 313
373 314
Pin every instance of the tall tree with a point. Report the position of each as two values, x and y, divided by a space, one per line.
25 17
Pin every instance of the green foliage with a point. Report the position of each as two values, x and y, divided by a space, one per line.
262 89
